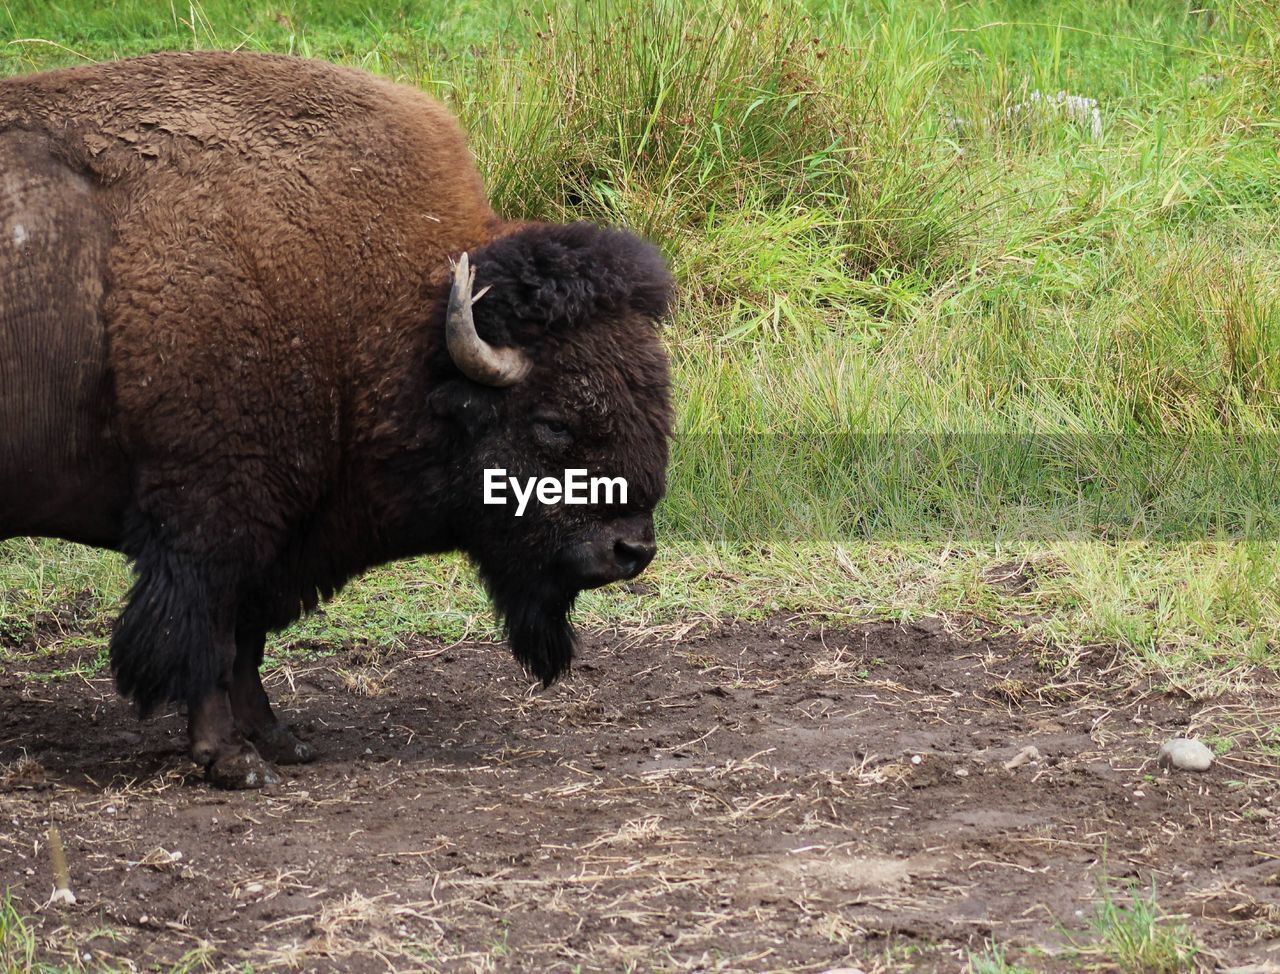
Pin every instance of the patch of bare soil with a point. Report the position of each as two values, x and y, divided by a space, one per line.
735 797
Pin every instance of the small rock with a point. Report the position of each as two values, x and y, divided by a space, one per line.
960 772
1185 754
1027 755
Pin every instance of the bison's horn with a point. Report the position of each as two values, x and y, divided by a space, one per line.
476 358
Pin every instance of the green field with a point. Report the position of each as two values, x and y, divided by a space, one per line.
933 317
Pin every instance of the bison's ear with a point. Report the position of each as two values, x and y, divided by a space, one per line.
548 277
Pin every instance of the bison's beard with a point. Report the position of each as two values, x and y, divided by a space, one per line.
535 614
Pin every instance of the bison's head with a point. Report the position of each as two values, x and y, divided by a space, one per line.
561 368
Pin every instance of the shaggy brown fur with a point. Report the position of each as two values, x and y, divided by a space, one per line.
221 352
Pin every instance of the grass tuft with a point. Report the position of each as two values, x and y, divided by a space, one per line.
17 942
991 960
1138 938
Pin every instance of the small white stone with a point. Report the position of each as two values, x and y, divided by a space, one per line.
1185 754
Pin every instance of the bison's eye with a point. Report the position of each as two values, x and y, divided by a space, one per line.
552 431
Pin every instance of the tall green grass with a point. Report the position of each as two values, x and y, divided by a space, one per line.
914 311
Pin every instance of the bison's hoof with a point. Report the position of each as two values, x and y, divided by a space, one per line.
280 745
243 769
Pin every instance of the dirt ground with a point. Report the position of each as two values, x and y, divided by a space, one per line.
763 796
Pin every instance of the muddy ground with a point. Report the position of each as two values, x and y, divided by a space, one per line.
769 796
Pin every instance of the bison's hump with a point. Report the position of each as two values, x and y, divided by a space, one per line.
210 111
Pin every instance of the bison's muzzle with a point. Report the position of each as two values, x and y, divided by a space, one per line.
621 551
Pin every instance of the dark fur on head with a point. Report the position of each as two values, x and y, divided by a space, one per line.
535 616
548 279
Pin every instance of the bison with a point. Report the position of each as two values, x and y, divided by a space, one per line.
261 329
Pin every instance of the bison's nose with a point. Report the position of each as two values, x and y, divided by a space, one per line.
621 551
633 556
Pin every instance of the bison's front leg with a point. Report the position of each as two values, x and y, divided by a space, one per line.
252 708
229 760
175 642
217 742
